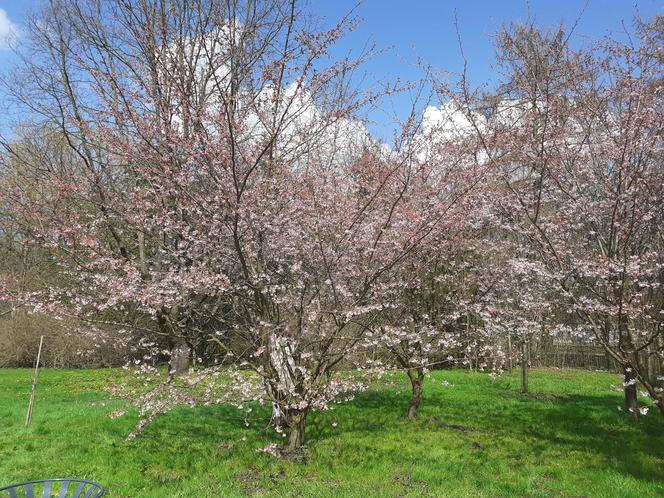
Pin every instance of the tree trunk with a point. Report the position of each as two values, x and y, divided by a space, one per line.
659 368
660 360
651 362
626 345
180 356
416 376
631 403
525 359
281 363
606 333
296 420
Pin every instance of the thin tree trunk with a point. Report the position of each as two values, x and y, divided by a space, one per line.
524 366
651 362
660 361
416 376
631 403
607 338
141 251
626 345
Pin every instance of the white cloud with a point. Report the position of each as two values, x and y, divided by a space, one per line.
8 30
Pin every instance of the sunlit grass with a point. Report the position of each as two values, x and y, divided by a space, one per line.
474 437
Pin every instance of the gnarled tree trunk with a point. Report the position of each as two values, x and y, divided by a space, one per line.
296 421
416 376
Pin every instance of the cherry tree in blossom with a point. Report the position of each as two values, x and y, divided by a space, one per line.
226 192
576 138
436 317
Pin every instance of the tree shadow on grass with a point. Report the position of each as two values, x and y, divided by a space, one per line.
206 422
539 424
564 423
590 423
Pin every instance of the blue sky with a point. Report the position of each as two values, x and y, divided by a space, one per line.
425 28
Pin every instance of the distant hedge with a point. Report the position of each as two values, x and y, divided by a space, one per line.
65 344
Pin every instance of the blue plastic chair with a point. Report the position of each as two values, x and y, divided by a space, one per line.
47 488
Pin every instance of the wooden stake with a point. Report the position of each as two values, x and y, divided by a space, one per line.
35 379
525 359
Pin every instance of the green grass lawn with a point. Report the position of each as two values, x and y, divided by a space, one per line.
475 437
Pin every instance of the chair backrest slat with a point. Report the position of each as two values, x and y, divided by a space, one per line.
64 489
29 492
12 493
79 490
46 493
